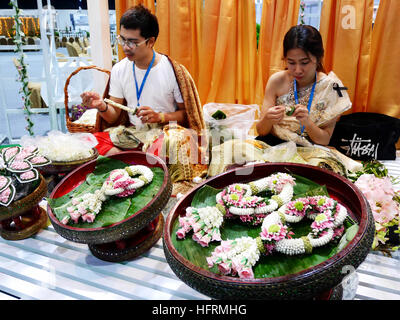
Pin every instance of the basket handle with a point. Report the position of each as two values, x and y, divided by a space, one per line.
67 117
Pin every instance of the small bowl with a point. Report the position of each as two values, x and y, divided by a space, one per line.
63 167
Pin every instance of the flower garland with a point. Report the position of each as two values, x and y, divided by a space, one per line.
241 200
120 183
22 68
238 256
19 163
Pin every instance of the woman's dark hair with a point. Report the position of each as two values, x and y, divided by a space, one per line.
139 17
308 39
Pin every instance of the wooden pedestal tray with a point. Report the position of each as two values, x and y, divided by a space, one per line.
126 229
132 247
60 167
24 218
313 283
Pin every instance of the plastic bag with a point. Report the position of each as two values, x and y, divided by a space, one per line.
281 153
237 124
63 147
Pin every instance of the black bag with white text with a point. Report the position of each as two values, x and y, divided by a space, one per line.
367 136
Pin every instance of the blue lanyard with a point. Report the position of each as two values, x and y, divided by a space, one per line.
139 91
309 100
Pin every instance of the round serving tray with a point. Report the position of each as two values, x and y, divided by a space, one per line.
306 284
58 167
124 228
23 205
36 220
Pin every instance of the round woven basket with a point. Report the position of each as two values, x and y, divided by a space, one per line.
59 167
124 228
306 284
23 205
77 127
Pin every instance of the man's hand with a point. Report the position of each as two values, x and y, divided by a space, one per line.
93 100
148 115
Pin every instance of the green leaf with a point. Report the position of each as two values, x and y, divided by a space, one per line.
219 115
205 197
351 232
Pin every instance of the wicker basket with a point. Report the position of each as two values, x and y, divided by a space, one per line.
76 127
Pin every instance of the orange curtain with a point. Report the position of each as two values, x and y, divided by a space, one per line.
180 27
277 18
122 5
384 74
228 52
346 30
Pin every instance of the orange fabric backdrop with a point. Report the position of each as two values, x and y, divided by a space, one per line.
121 6
277 18
180 27
384 74
228 52
346 30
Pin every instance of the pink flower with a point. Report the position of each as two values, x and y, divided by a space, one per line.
89 217
5 195
204 241
82 210
216 236
75 216
224 268
196 227
185 224
28 175
338 232
181 233
38 159
379 193
3 181
246 273
210 262
226 246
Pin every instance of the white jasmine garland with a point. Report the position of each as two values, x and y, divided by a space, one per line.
119 183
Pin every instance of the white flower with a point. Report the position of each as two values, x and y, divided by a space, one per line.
341 216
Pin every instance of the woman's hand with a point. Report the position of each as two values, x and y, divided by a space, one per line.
93 100
148 115
301 114
275 114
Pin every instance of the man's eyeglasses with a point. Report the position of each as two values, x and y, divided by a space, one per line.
129 43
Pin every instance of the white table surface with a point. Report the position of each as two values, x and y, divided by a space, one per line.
47 266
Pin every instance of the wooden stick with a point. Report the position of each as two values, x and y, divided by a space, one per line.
120 106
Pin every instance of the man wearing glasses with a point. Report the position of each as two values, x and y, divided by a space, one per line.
144 80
